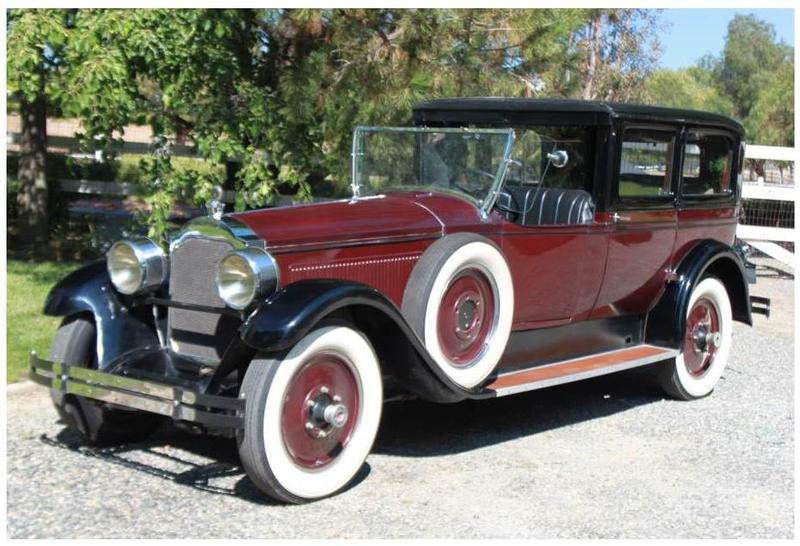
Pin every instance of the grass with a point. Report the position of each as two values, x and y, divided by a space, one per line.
28 329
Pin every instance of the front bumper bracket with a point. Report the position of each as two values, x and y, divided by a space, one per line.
173 401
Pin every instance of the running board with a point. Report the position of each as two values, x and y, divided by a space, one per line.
576 369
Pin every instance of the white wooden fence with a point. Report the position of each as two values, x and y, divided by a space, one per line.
766 238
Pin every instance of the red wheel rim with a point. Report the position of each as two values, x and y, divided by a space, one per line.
703 337
466 317
325 381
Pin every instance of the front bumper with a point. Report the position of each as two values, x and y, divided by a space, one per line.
178 402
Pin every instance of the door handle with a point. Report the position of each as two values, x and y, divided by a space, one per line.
619 218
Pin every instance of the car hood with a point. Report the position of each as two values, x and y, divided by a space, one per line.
366 220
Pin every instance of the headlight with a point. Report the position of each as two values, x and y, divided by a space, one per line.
243 275
136 265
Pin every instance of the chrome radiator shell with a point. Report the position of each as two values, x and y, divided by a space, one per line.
194 257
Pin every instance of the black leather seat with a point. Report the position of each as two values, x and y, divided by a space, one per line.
533 206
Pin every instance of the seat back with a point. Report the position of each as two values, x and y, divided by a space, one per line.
536 206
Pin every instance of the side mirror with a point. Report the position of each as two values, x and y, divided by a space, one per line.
558 158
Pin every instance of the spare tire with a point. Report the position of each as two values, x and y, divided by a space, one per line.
460 301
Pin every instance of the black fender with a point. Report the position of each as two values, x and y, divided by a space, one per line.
288 315
89 290
667 321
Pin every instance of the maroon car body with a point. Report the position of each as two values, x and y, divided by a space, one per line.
604 241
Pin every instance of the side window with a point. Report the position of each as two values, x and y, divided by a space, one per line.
645 169
552 177
532 145
707 165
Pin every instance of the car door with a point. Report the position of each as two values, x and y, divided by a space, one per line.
642 220
555 247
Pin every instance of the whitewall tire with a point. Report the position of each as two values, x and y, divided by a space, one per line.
311 417
706 345
460 301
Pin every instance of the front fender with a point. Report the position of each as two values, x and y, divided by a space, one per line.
284 318
667 321
89 290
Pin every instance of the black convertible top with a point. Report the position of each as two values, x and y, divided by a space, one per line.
502 108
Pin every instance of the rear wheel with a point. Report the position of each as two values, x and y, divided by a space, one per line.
98 424
706 344
311 417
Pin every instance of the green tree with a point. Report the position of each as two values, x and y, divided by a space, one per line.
751 49
771 119
612 53
687 88
757 73
34 44
274 94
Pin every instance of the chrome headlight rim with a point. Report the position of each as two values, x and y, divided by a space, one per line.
151 264
263 277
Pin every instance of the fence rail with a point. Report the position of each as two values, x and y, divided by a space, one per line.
768 223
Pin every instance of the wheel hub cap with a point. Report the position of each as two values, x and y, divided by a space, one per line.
466 317
703 337
320 411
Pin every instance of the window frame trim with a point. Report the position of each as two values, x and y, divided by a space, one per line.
659 202
703 200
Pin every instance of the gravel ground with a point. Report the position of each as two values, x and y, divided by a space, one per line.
608 457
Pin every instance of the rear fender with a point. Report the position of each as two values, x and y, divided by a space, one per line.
89 290
667 321
287 316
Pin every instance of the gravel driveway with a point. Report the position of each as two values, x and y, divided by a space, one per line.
608 457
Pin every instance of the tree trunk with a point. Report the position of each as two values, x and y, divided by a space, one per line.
32 228
595 32
231 170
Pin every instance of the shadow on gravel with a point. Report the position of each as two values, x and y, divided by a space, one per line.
210 477
412 429
420 429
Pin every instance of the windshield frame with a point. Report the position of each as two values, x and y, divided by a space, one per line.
485 205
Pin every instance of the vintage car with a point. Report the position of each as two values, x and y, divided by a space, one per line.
495 247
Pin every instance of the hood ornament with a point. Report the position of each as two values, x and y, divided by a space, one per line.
216 207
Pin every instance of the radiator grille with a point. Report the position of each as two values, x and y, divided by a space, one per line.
193 269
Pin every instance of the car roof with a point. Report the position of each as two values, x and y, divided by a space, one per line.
599 110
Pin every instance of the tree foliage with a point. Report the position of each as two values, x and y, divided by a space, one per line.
278 91
693 87
614 52
752 80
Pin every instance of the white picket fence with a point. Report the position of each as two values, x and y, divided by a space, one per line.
766 238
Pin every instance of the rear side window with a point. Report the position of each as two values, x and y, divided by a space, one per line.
645 169
707 165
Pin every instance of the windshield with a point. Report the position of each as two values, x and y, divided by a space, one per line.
469 162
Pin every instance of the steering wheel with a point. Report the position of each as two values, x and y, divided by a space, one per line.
488 175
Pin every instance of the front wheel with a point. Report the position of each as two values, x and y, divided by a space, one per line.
706 344
312 416
96 422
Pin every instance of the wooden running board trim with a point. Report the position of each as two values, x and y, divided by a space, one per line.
577 368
